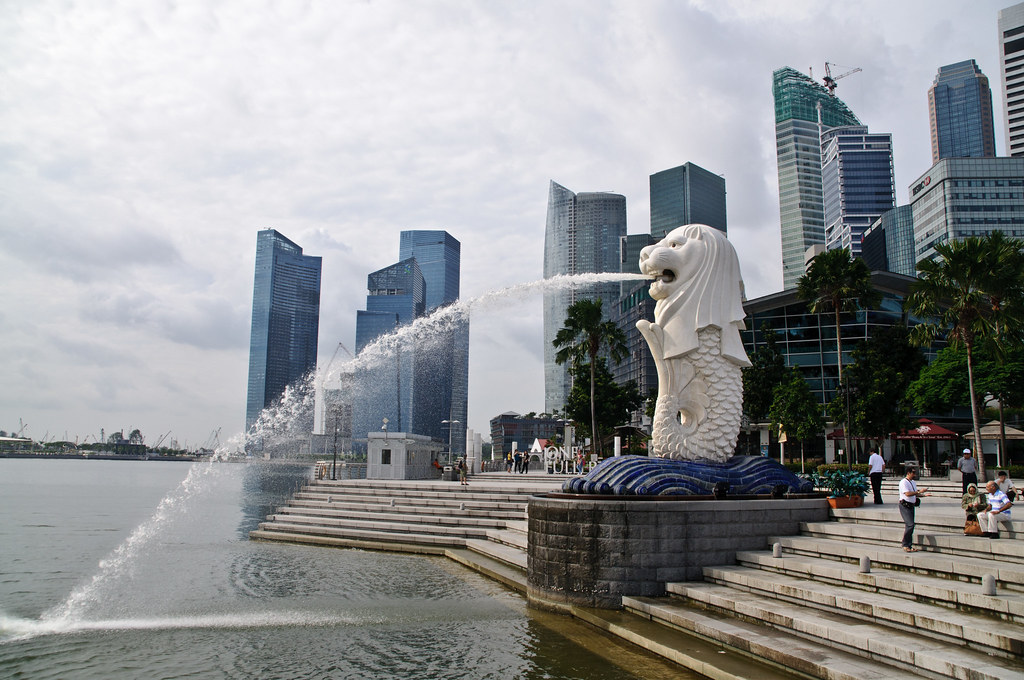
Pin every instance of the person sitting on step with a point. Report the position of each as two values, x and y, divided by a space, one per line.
999 511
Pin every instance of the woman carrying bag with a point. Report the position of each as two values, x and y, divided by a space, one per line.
973 503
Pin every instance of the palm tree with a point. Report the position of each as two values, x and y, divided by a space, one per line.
835 282
971 289
583 337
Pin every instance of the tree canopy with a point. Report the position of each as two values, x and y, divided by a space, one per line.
614 402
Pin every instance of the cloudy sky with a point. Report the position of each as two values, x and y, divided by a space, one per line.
143 144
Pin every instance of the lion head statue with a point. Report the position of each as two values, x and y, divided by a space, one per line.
698 284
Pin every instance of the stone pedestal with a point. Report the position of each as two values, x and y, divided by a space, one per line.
590 551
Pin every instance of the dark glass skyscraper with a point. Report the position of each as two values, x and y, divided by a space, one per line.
798 151
581 236
960 112
445 380
385 385
888 244
857 183
687 194
285 320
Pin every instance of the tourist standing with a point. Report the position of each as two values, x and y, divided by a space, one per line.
876 467
462 471
910 498
508 462
999 511
518 455
968 467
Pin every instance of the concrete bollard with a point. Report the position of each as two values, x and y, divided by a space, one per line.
392 502
330 500
988 585
865 564
776 550
462 506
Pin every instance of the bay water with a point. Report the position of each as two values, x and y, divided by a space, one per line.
144 569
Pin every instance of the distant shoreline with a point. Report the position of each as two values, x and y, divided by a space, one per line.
97 456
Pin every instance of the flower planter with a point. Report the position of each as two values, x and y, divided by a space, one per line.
838 502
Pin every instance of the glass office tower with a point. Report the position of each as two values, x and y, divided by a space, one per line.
687 194
385 385
857 183
962 197
888 244
1011 62
798 152
443 391
581 236
960 113
285 320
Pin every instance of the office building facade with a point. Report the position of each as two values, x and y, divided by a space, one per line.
687 194
857 183
888 244
798 153
1011 62
962 197
285 321
385 385
445 363
960 113
511 428
581 236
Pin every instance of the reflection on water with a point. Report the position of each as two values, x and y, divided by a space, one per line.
201 601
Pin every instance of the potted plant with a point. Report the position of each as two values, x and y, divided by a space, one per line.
846 488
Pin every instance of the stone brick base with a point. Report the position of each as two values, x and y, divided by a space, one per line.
586 550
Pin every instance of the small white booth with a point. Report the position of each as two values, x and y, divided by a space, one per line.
397 455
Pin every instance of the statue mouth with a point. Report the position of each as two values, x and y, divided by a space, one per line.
667 276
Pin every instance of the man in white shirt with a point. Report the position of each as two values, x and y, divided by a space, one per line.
998 511
1006 486
876 466
968 468
909 494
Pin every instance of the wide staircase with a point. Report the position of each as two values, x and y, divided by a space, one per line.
482 525
843 600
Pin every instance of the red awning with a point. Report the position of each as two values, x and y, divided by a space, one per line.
926 429
840 434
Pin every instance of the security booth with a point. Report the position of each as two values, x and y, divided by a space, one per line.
398 455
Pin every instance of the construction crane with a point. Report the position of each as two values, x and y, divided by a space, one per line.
161 440
830 80
323 382
214 441
21 427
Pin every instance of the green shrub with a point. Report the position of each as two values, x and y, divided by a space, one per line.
1016 472
862 468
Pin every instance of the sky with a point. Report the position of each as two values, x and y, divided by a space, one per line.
143 144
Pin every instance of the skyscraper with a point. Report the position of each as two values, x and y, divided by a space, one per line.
687 194
798 152
960 112
385 385
285 320
446 379
857 183
888 244
962 197
1011 62
581 236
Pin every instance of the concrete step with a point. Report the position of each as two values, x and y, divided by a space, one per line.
966 569
963 596
779 646
513 557
510 538
455 500
390 515
497 511
1005 550
955 627
394 527
267 531
846 632
943 521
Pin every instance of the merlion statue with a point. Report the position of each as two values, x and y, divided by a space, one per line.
695 340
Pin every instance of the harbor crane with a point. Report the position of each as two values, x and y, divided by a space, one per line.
830 80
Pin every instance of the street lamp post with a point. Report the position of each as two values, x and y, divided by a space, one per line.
334 463
449 423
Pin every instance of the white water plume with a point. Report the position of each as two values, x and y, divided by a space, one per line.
12 628
430 328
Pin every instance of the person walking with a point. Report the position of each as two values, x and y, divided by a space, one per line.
910 498
968 468
876 468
